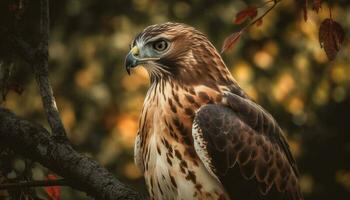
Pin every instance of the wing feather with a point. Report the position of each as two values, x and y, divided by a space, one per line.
243 147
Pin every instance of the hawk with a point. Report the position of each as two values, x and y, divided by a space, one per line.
200 136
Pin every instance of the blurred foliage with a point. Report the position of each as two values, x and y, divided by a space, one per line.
280 64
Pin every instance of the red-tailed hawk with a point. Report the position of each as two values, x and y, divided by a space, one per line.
200 136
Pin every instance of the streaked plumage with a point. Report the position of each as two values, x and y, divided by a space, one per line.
200 136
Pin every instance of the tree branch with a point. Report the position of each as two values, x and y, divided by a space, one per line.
37 57
257 19
33 141
41 71
42 183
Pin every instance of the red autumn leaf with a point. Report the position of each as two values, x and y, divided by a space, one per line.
54 192
316 6
331 37
230 41
249 12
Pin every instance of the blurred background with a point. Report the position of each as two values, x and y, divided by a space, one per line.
279 64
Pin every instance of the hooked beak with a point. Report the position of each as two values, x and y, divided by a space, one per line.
131 60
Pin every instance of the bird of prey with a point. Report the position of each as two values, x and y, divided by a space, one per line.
200 136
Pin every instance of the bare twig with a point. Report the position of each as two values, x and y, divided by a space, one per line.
249 12
43 183
42 76
275 2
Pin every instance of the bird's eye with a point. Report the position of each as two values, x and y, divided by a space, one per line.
160 45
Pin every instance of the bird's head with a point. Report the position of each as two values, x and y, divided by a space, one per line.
176 51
